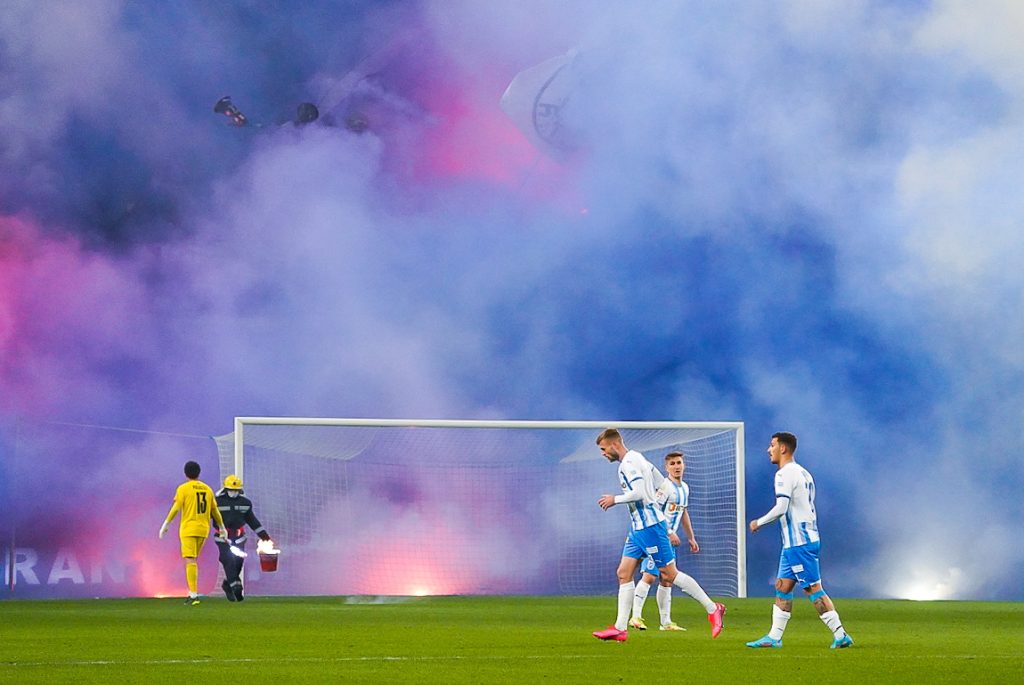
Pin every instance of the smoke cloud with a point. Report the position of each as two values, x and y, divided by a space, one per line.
804 216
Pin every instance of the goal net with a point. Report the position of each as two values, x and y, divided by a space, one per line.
437 507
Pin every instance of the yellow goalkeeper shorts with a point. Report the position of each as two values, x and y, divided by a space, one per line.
192 546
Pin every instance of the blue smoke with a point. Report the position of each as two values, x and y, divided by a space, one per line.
802 218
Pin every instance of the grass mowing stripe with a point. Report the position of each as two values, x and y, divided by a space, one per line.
342 659
494 639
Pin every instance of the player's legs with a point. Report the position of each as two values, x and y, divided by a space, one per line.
671 576
664 598
627 588
828 615
632 552
782 609
664 557
800 565
806 568
784 593
190 549
625 573
821 601
192 575
640 593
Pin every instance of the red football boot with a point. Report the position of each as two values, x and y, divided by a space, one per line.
611 633
715 619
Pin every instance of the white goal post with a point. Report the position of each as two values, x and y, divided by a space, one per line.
437 506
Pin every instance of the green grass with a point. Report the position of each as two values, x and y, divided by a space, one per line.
496 640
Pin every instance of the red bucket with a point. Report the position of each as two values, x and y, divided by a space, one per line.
268 562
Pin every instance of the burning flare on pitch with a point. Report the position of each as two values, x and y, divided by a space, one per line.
266 547
268 555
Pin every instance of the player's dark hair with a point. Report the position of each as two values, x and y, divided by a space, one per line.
192 469
787 439
608 434
673 455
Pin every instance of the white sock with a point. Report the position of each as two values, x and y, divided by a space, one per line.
831 619
779 620
690 587
639 597
626 592
665 604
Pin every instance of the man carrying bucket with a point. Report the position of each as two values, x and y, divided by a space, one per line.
236 509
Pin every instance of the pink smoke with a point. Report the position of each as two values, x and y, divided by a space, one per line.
63 311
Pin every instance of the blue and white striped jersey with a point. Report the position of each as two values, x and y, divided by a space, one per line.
799 523
677 498
638 476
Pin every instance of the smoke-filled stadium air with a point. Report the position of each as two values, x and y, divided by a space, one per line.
802 216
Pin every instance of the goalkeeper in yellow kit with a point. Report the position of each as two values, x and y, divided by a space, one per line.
196 502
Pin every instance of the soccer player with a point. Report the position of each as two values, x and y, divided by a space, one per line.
794 509
237 511
674 496
196 502
640 480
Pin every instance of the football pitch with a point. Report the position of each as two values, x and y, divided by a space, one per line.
496 640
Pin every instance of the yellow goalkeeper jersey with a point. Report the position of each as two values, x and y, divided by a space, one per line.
196 502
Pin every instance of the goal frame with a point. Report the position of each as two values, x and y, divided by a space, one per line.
738 426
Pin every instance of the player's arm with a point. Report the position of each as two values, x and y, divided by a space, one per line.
633 487
783 491
688 528
213 519
774 514
673 536
657 477
218 520
608 501
633 494
175 508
